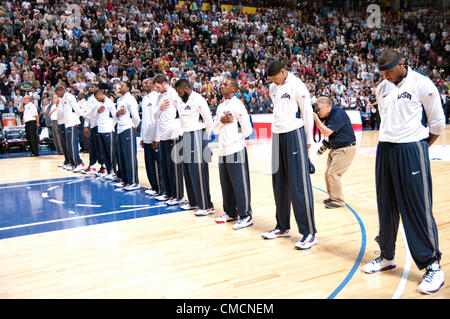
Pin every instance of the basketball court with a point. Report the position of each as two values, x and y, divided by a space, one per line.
66 235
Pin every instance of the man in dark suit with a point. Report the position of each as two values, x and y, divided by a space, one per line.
10 108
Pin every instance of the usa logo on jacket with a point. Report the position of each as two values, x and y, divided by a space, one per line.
404 95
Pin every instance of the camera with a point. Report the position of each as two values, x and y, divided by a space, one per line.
315 108
323 148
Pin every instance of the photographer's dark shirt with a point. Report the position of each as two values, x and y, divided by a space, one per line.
340 123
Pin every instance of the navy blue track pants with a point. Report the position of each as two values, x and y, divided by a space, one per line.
235 184
291 181
171 154
196 156
403 186
127 156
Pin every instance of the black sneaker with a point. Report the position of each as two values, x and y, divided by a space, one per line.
332 205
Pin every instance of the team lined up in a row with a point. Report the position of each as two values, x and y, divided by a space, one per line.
175 129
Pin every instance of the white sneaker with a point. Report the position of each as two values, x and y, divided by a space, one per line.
172 201
68 167
275 234
162 197
188 207
433 280
379 264
78 168
89 170
243 223
84 171
132 187
175 201
61 165
306 242
151 192
205 212
111 177
119 184
225 218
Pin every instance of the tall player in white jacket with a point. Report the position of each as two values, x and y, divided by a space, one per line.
292 130
72 113
412 119
196 152
169 137
149 128
233 160
127 121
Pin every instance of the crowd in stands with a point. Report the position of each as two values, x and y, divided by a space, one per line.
332 50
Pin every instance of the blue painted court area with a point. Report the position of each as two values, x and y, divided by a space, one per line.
43 151
47 205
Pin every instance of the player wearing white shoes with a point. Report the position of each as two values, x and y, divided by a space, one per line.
169 136
411 120
291 138
196 153
149 129
91 132
72 113
232 124
127 121
82 139
104 113
62 132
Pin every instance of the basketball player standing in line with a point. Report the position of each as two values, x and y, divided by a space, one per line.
411 120
72 113
127 121
169 137
292 130
149 128
196 152
90 131
233 159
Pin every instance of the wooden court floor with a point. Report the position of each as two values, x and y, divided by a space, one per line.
180 255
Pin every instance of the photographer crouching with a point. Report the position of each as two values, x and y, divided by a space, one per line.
342 145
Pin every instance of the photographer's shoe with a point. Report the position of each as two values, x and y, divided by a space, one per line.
332 204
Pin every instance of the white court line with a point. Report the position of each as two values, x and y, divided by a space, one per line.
406 268
77 217
127 206
56 201
24 185
78 180
88 205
